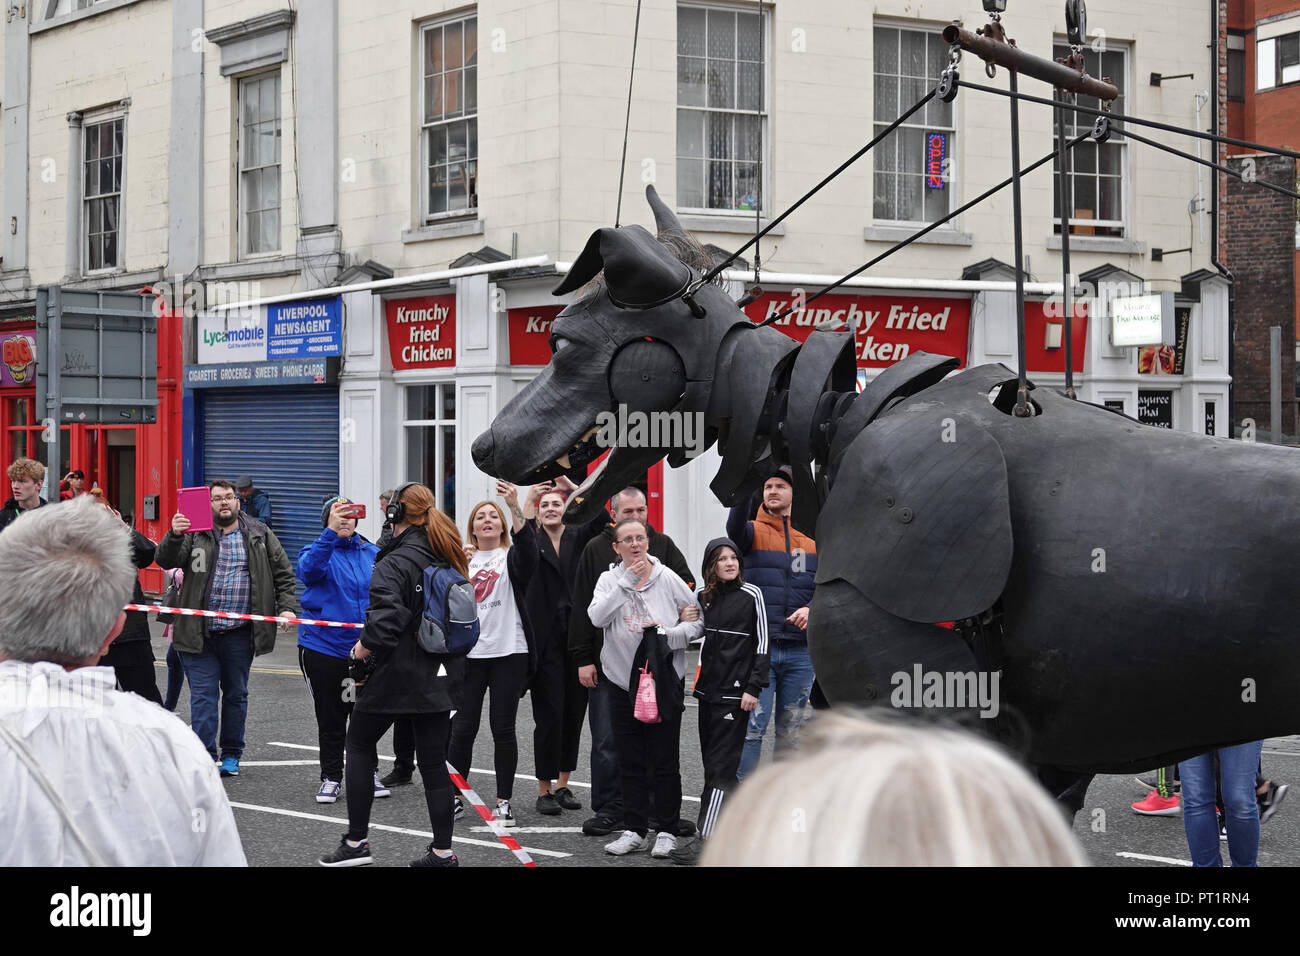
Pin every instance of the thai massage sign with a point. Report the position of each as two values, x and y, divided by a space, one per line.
422 331
889 328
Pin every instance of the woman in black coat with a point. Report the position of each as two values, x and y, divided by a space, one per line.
405 681
131 653
559 701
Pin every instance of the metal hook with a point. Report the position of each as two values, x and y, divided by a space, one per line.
990 70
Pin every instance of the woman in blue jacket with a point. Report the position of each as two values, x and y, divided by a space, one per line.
336 570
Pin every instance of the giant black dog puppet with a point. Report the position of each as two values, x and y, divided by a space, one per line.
1136 589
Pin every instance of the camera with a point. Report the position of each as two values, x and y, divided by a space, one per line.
995 6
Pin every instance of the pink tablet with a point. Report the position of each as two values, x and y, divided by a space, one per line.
196 504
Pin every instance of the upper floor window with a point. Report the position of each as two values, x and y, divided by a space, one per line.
721 108
102 193
259 163
1236 67
1277 61
449 117
1099 170
912 167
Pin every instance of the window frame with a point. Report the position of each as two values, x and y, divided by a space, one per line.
444 429
242 233
90 121
1123 225
1274 58
954 198
764 114
423 129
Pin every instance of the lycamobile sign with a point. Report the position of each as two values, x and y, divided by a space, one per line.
220 337
311 328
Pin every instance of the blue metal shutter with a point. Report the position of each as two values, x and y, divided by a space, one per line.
287 439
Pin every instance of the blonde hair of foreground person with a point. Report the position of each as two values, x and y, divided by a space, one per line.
869 792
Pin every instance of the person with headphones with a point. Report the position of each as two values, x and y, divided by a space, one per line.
403 679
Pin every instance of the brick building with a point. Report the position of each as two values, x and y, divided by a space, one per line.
1263 106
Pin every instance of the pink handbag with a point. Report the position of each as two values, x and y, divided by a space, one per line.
646 708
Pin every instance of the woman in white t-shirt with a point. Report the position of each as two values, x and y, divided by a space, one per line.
503 659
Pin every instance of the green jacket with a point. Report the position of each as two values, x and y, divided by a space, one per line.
269 570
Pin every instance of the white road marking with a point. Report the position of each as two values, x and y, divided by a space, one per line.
1143 856
279 763
518 776
513 830
493 844
1282 753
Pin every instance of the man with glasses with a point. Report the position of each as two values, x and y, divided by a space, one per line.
240 567
585 642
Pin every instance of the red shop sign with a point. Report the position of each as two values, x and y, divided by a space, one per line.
530 334
889 327
1038 315
19 366
422 332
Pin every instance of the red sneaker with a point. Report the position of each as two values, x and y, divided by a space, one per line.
1157 806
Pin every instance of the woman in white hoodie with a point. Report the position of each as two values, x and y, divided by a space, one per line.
636 596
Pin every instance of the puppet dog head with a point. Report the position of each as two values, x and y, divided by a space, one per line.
641 340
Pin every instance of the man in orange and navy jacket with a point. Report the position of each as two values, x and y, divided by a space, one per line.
783 563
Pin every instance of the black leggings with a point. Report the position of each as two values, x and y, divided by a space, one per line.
504 677
431 730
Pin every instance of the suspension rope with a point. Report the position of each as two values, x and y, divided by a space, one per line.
758 188
716 270
1122 118
917 235
627 121
1129 134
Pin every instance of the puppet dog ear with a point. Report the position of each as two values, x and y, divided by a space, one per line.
932 539
639 272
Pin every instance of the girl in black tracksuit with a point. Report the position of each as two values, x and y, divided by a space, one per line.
733 670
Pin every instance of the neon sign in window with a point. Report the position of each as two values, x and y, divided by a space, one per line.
936 152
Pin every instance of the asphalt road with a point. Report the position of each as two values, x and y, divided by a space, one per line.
282 825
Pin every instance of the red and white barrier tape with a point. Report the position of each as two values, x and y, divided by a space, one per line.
192 612
493 823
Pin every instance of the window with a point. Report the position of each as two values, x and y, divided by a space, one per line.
449 117
1236 67
1277 61
912 181
102 193
1097 179
259 163
721 112
430 428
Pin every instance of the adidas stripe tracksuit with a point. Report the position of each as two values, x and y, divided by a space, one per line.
733 662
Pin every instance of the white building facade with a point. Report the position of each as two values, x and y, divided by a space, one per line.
431 168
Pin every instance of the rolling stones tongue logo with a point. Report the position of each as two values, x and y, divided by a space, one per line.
484 580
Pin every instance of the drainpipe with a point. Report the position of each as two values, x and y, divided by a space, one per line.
1214 221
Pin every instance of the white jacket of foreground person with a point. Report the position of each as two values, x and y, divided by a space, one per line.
623 611
92 776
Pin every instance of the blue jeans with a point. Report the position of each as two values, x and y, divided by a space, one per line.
1237 779
606 776
175 677
789 683
220 669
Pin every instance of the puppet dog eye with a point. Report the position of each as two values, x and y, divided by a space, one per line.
558 342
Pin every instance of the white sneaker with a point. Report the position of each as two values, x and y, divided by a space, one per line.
629 842
503 814
665 843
